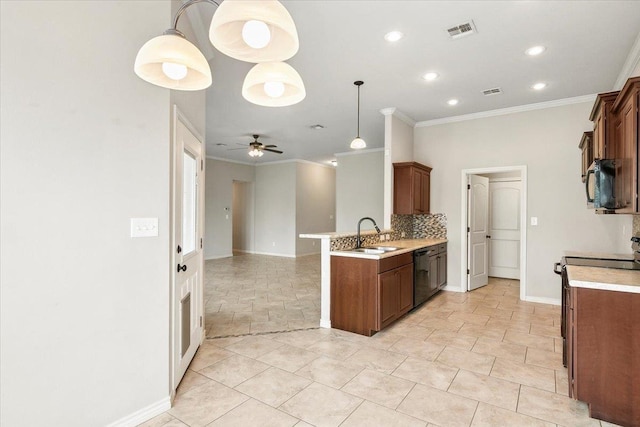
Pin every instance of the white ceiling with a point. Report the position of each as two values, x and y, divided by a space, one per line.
342 41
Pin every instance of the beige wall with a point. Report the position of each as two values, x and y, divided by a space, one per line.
243 214
546 141
218 239
315 204
276 209
359 189
85 147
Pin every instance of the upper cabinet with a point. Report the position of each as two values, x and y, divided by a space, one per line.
603 122
586 145
625 109
411 188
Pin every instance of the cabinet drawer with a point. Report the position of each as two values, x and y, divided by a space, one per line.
390 263
442 247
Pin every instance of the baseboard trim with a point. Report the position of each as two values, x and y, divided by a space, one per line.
274 254
450 288
209 258
325 324
144 414
543 300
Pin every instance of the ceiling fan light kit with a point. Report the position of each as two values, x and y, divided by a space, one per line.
258 31
358 143
273 84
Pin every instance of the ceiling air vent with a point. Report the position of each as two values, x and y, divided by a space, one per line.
462 30
494 91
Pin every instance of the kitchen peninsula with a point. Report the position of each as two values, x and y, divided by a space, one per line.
336 246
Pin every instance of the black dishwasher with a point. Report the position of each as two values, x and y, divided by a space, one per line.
425 274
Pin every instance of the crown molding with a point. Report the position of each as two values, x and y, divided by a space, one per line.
633 59
393 111
279 162
356 153
220 159
510 110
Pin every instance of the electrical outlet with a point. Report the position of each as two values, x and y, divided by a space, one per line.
534 220
402 234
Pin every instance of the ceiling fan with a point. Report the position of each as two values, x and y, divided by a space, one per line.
257 149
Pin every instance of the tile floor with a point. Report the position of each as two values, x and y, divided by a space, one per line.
253 294
482 358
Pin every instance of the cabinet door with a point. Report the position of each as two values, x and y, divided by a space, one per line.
417 191
405 275
627 146
433 274
425 192
388 298
598 136
442 270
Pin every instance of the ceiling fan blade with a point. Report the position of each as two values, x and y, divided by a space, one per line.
270 146
234 149
273 151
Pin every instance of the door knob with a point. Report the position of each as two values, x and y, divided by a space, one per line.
183 268
488 237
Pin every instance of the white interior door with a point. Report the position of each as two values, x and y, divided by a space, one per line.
188 216
504 229
478 231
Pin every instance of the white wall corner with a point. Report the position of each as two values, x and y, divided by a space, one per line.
143 414
630 65
393 111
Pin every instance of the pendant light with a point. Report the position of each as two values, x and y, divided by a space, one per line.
254 31
260 31
358 143
172 61
273 84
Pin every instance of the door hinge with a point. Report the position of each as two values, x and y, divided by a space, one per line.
468 229
468 271
201 243
468 186
201 321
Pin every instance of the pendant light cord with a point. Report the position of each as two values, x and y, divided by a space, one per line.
358 83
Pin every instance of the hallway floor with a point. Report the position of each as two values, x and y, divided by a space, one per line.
482 358
254 294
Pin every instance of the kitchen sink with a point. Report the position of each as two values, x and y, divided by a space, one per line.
375 250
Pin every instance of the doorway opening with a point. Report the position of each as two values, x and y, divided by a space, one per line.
493 226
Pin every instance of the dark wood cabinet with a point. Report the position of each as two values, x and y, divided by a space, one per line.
603 126
442 268
367 295
411 188
627 144
603 343
586 146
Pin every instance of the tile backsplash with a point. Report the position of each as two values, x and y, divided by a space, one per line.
402 227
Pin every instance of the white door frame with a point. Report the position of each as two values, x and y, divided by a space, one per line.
173 340
523 222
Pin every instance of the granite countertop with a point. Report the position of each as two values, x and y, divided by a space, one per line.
609 279
335 235
403 246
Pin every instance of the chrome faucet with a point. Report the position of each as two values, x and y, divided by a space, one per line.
358 241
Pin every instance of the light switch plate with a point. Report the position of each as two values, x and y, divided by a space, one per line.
534 220
144 227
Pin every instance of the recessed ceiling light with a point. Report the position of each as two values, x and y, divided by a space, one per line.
539 86
453 102
430 76
535 50
393 36
316 127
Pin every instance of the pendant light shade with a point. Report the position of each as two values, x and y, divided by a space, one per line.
172 61
254 31
358 143
273 84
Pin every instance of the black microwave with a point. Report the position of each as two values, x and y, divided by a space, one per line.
600 184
